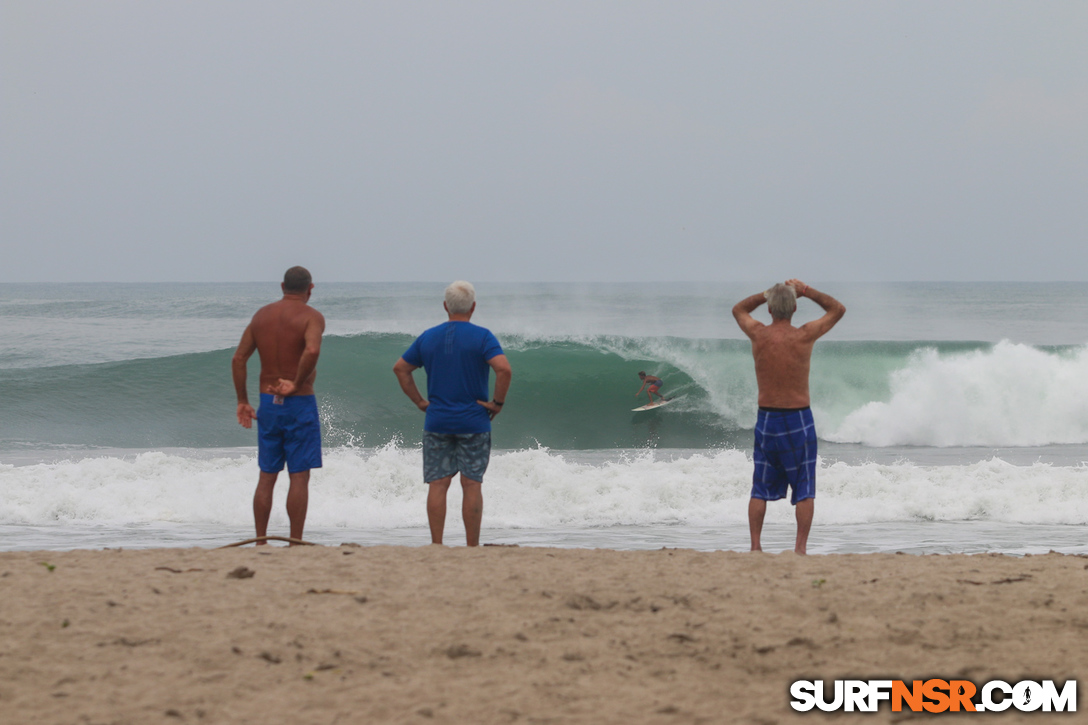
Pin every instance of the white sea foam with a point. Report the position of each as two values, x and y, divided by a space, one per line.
381 489
1010 395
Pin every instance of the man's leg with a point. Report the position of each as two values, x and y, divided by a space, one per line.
804 523
262 503
472 509
436 507
757 508
298 499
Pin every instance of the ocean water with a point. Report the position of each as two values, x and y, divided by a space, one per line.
952 418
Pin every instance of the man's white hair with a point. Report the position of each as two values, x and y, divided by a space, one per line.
460 296
781 301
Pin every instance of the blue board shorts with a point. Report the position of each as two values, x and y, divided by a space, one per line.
288 432
444 454
784 455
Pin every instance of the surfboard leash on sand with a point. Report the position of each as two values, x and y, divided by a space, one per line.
270 538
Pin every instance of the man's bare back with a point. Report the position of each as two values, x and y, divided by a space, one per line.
287 337
279 331
782 352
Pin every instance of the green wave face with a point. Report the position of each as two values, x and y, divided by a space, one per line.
566 395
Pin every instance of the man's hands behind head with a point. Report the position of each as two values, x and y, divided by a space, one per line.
798 286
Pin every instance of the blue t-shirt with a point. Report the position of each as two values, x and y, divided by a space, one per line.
455 355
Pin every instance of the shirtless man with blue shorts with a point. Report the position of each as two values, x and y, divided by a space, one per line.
458 357
654 384
287 336
785 445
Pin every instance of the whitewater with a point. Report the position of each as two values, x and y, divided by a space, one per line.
952 418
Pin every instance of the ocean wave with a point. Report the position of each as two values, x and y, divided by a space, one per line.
1007 395
576 393
533 488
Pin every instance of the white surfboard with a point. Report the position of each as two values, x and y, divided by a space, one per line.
655 406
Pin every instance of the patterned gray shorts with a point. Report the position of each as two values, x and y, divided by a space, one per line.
444 454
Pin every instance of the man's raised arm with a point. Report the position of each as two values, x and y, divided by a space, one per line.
742 312
833 309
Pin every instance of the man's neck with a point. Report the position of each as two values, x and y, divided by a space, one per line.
460 318
303 298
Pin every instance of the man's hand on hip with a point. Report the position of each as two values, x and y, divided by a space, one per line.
493 408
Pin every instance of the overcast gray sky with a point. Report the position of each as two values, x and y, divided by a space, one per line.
510 141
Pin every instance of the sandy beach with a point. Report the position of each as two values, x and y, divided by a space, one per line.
512 635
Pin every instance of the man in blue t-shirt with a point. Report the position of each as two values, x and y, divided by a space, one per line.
457 357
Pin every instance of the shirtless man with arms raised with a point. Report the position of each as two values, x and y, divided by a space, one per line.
785 445
287 336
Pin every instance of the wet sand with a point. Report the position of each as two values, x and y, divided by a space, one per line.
513 635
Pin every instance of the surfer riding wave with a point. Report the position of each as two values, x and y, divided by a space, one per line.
652 384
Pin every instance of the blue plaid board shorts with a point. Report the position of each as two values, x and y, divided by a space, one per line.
444 454
784 455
